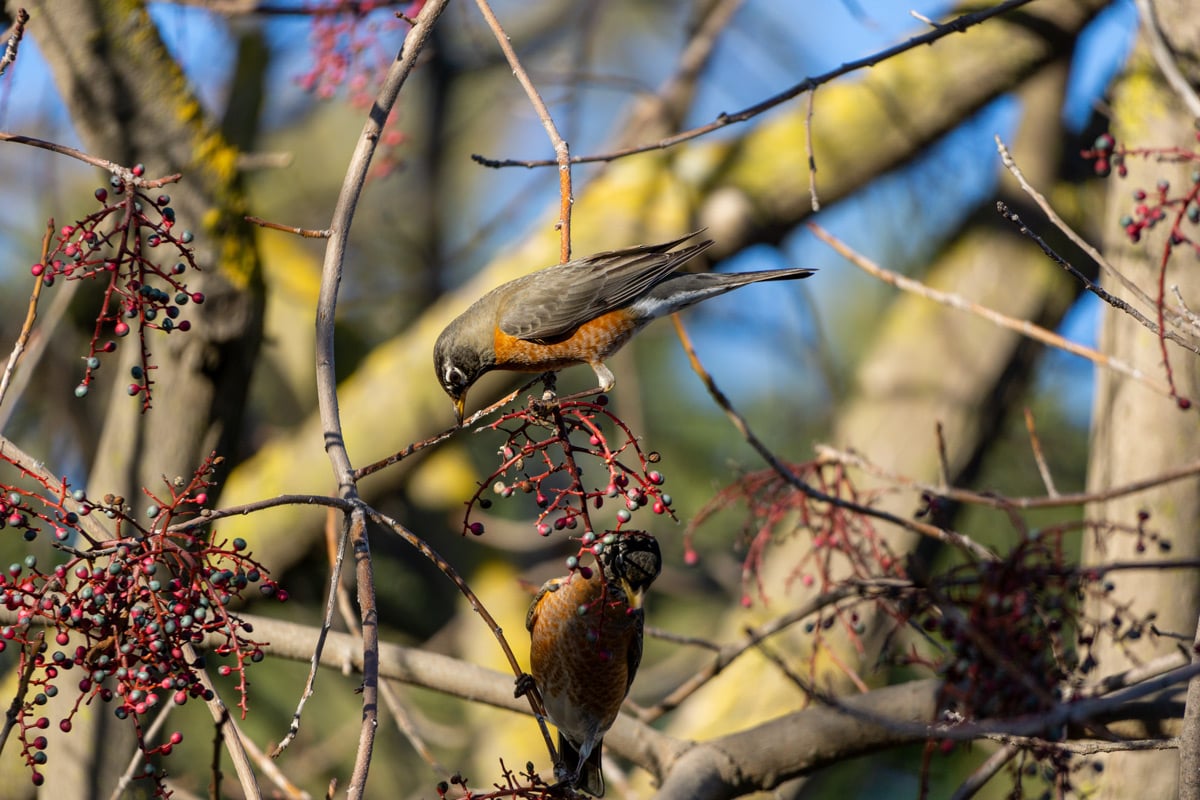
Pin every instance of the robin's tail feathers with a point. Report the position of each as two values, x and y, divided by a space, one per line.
588 777
685 289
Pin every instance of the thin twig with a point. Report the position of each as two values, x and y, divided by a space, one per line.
1038 456
139 753
1090 747
985 771
227 730
207 516
124 173
30 317
812 156
1116 302
957 25
307 233
943 535
1191 316
562 153
943 459
422 547
272 771
327 396
1021 326
335 575
14 40
438 438
50 319
14 708
1102 263
387 689
727 654
335 249
995 500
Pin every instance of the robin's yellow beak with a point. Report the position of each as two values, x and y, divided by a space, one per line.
460 403
634 597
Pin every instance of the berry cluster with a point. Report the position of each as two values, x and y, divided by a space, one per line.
131 246
1003 624
1105 156
541 456
844 542
352 44
1152 208
122 612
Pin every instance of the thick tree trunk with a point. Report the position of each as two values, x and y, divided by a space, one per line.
130 103
1135 432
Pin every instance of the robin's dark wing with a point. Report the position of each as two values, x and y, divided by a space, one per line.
531 615
552 303
634 656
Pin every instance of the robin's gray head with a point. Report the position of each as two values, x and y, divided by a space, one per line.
459 359
632 561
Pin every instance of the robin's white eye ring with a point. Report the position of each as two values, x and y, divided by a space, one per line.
453 376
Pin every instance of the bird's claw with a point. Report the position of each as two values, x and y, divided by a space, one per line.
550 387
524 685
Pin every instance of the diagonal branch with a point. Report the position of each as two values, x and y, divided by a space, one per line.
1021 326
957 25
562 154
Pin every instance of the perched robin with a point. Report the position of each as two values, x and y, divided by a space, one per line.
585 634
580 312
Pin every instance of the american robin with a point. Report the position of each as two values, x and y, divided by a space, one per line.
585 634
580 312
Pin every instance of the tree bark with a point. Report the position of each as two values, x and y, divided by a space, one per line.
1135 432
130 103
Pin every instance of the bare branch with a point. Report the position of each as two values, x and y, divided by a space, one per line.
14 40
27 326
1021 326
562 154
952 538
335 250
957 25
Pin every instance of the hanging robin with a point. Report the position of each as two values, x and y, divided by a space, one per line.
585 634
580 312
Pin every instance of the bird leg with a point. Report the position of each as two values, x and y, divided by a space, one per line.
550 382
525 685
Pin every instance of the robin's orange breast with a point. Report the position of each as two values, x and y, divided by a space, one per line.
591 342
580 640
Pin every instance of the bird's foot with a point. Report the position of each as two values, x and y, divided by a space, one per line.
565 781
525 685
550 387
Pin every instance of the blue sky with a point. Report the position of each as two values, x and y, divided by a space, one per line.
769 47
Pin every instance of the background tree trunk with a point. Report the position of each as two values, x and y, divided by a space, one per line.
130 103
1136 432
